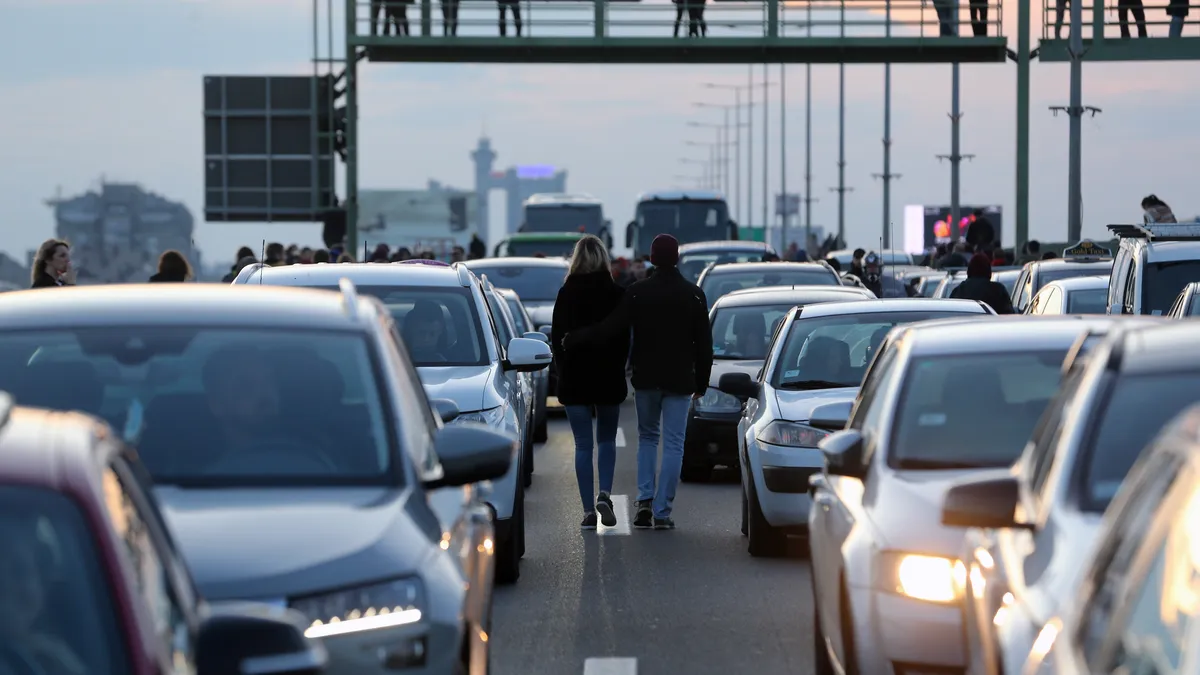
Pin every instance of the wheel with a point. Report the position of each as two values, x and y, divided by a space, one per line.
508 553
744 508
540 432
528 460
764 541
822 664
695 473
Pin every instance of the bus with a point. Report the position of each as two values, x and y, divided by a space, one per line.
557 212
689 215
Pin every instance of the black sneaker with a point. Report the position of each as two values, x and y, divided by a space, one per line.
645 516
605 508
664 524
589 521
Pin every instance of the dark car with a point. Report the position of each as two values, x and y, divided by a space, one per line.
91 576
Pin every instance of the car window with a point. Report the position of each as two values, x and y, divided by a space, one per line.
1193 306
218 406
503 321
1026 292
994 399
414 404
717 284
1090 301
1162 281
869 411
1049 430
745 332
57 610
518 316
532 283
692 264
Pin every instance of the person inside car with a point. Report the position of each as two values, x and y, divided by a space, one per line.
425 332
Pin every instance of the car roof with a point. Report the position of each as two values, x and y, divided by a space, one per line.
1166 347
1006 274
46 448
1067 263
681 195
361 274
546 236
560 198
729 268
727 245
1079 283
798 295
1005 333
1169 251
187 304
894 305
517 261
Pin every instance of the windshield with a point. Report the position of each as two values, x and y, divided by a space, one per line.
1139 406
518 317
688 221
692 264
56 607
217 406
564 218
533 284
717 284
745 332
973 410
834 351
929 286
538 248
1162 282
443 331
1091 301
1007 280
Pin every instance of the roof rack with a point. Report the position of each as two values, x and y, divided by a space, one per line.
465 276
1158 231
247 272
349 297
6 406
487 285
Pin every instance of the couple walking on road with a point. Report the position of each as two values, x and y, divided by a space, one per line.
595 320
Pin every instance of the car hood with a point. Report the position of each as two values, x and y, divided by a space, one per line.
542 313
465 385
722 366
797 406
281 542
906 507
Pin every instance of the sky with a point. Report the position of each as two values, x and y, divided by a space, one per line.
112 88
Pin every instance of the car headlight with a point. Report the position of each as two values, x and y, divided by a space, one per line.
386 605
493 417
920 577
791 434
715 400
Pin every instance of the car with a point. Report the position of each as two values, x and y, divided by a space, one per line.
293 451
694 258
541 379
817 357
1085 259
743 324
942 403
717 280
1077 295
93 582
1134 380
1134 610
1185 305
479 372
1154 262
1006 277
507 327
890 258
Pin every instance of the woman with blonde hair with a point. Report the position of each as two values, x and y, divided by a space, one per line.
172 267
52 265
593 378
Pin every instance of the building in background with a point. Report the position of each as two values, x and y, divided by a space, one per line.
434 219
518 183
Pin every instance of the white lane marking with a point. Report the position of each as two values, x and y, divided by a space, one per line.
621 511
620 437
610 666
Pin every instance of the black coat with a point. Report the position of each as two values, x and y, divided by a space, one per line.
992 292
167 277
595 375
672 341
44 280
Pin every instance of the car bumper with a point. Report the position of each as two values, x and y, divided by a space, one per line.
410 650
781 481
711 438
895 634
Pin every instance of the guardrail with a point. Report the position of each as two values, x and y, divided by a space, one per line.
1122 19
687 19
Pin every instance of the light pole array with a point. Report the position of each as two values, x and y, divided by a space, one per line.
722 145
746 204
706 178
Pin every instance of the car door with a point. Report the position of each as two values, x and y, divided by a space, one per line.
522 381
507 381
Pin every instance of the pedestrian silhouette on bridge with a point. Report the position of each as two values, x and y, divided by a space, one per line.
449 17
979 14
1124 7
513 6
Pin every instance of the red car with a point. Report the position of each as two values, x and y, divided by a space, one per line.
90 581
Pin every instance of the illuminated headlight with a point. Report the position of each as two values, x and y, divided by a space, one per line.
715 400
387 605
791 434
493 417
920 577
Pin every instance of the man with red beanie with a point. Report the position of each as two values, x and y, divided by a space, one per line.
672 359
979 285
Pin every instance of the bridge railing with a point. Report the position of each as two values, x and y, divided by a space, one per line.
1122 19
726 19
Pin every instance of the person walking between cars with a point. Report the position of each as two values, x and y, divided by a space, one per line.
593 378
979 286
52 265
672 360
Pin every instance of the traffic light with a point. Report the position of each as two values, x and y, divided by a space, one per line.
334 232
458 214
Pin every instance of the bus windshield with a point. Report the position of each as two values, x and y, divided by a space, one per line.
688 221
564 218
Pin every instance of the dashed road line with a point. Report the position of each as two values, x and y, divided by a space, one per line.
620 437
621 511
610 666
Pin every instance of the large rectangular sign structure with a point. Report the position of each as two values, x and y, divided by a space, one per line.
268 148
927 226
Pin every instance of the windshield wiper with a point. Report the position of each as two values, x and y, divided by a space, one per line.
805 385
918 464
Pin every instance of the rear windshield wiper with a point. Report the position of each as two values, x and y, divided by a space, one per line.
804 385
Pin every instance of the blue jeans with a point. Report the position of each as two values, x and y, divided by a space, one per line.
660 415
580 419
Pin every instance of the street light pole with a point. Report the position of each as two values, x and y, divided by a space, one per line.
750 144
887 174
783 187
766 157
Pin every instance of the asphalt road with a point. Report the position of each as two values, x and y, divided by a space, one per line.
646 602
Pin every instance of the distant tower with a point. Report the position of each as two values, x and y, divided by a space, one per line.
484 158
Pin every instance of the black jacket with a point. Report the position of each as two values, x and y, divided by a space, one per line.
43 280
992 292
672 342
594 375
168 277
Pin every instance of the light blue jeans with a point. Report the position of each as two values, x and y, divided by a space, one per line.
580 419
660 415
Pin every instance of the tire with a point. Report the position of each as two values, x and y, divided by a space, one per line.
508 555
764 541
528 460
745 508
695 473
540 433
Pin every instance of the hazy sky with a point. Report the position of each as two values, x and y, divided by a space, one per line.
113 87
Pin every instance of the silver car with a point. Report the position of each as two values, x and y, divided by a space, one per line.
818 357
541 379
467 361
293 451
507 327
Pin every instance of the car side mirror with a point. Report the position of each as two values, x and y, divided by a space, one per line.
843 451
739 385
831 416
527 356
446 409
471 453
256 638
984 502
535 335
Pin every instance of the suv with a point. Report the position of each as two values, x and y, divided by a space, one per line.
462 358
1154 262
